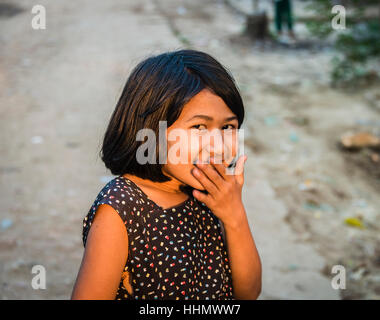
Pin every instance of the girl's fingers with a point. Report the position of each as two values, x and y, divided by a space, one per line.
210 171
205 181
201 197
221 168
239 170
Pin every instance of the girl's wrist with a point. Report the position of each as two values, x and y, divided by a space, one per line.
237 219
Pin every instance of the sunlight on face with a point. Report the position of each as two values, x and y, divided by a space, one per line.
204 115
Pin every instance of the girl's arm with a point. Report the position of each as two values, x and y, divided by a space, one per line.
244 259
224 200
104 257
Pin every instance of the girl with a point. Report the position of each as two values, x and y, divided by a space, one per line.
169 230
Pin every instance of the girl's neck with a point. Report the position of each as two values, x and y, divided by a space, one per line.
172 186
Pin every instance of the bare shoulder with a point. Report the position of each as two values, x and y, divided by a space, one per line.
108 227
104 258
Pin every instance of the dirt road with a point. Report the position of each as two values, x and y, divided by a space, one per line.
59 86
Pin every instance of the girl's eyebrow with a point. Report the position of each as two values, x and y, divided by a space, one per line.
202 116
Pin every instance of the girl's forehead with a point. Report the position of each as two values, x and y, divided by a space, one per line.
205 103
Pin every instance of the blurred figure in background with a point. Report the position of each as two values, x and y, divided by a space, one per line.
283 10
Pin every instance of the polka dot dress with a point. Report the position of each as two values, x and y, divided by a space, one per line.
176 253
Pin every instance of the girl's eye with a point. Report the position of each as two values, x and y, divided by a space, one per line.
231 126
197 126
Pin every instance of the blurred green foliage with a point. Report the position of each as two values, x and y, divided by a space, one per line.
358 45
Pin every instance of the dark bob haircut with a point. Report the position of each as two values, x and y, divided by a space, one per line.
157 90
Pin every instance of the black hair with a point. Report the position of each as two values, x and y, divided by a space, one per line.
157 90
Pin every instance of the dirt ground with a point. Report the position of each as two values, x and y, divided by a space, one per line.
59 86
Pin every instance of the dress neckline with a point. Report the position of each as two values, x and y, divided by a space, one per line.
180 205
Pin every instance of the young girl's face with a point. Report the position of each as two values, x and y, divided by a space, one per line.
209 130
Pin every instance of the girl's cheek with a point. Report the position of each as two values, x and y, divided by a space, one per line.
193 149
231 148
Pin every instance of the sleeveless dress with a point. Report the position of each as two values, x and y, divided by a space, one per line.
176 253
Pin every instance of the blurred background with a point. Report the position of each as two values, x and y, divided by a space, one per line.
312 128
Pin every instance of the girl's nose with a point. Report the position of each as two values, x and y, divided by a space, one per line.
216 146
